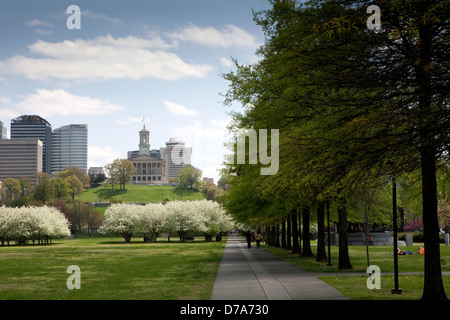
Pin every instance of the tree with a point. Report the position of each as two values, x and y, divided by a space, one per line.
399 87
75 186
153 219
25 183
97 179
283 91
61 187
112 174
120 171
12 189
123 219
174 180
77 172
321 252
44 190
214 218
35 223
189 175
212 192
184 219
355 104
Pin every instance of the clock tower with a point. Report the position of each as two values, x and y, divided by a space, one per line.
144 141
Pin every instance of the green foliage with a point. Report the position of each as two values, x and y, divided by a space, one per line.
190 175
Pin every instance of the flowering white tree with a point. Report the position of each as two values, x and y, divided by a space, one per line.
58 224
37 223
8 223
183 217
214 216
123 219
153 218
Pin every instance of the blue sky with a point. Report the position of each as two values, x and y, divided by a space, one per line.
131 59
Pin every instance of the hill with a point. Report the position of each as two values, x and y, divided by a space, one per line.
140 193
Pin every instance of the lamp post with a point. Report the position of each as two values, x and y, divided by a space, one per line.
396 289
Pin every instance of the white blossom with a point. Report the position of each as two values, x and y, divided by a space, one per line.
32 222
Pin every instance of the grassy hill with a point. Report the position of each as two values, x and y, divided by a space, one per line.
140 193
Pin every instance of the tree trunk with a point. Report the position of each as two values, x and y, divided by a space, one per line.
127 236
306 252
433 287
296 245
321 251
288 233
208 237
271 236
344 257
277 236
283 234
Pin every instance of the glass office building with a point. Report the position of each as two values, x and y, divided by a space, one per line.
70 147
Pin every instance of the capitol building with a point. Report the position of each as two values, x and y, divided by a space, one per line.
158 166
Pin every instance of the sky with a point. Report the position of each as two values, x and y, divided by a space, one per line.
130 62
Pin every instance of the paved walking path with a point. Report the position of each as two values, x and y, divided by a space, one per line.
255 274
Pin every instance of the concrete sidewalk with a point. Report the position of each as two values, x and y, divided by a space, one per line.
254 274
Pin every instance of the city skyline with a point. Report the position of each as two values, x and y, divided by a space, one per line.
158 60
68 145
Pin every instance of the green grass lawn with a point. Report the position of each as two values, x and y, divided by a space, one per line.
140 193
110 269
355 286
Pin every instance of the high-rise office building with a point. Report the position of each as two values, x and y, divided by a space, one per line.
35 127
3 131
70 147
175 154
20 158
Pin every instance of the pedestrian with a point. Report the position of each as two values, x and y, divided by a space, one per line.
258 239
249 239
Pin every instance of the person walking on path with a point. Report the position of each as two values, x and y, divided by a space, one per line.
248 235
258 239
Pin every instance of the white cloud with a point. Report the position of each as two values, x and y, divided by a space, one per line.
8 114
220 123
207 142
100 156
4 100
131 119
61 102
179 110
229 36
101 16
36 22
44 32
104 58
226 62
